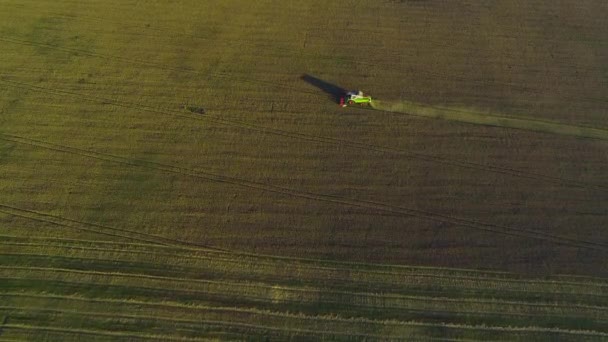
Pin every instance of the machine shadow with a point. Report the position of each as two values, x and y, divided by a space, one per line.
334 91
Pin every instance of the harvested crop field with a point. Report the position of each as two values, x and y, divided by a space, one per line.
165 166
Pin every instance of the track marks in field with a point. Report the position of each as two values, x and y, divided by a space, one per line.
414 288
424 337
264 330
306 298
523 293
314 138
489 119
344 201
245 327
270 295
310 264
91 332
197 308
201 307
124 298
94 227
205 322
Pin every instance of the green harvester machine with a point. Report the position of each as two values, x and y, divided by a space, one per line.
355 97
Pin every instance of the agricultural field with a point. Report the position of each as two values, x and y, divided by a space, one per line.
181 170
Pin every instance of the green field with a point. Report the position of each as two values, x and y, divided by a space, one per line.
181 170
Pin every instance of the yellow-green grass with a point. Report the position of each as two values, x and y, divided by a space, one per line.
124 215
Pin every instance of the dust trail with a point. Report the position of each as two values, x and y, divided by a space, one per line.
490 119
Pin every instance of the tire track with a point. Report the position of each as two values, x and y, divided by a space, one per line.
319 197
411 273
439 274
178 305
290 295
315 139
79 243
490 119
197 324
99 229
264 330
91 332
439 296
311 332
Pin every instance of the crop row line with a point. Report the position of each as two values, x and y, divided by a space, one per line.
319 197
404 279
15 212
313 264
414 298
199 307
240 326
530 329
92 332
251 312
197 322
325 308
77 243
421 284
232 257
307 263
99 229
263 293
258 261
299 304
411 287
418 275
